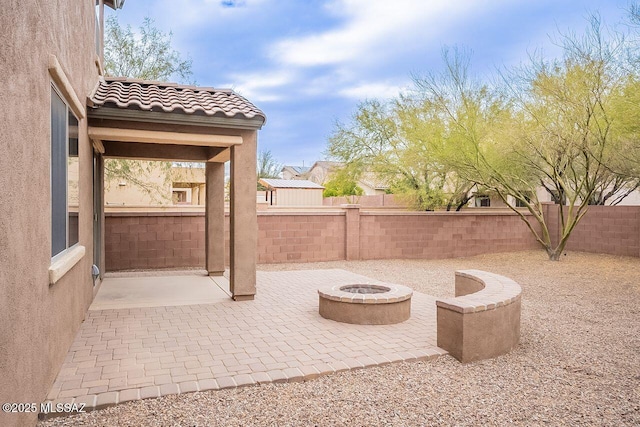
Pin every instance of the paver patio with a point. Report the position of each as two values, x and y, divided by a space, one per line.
136 353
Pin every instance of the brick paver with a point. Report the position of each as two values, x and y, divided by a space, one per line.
137 353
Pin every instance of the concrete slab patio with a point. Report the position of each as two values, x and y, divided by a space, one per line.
134 290
136 353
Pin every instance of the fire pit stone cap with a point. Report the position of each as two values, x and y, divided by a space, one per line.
396 293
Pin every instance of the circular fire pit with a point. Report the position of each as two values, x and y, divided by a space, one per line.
366 304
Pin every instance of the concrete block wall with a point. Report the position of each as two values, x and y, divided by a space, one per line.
176 240
612 230
154 241
372 201
441 235
301 237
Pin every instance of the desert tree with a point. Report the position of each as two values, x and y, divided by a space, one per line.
394 141
147 55
267 167
549 124
343 183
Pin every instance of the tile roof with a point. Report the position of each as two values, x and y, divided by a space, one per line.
289 183
166 97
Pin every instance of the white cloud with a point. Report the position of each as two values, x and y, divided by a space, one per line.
261 87
378 90
373 30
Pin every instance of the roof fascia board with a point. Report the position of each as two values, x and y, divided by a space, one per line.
175 118
160 137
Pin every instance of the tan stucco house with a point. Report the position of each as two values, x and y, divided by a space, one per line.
293 172
61 117
322 171
159 184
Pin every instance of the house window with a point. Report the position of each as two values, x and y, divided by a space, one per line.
483 201
520 203
181 196
64 175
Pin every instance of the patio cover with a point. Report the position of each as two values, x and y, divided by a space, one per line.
139 119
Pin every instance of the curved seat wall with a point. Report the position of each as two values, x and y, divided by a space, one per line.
483 320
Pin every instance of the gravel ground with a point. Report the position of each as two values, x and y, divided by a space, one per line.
578 362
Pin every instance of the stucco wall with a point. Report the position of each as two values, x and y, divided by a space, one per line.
158 180
37 321
121 192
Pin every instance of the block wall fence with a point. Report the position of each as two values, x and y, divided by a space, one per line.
371 201
176 240
613 230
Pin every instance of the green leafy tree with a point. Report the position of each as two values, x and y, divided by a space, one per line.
553 125
394 141
342 183
148 56
267 167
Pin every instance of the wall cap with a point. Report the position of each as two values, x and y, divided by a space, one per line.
498 291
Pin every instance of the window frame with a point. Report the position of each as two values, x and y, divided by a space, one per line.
482 198
69 111
520 204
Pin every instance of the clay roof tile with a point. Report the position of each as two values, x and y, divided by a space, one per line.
171 97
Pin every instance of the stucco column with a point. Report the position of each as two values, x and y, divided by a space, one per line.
352 230
243 220
214 218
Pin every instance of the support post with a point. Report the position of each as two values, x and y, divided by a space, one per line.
243 220
214 218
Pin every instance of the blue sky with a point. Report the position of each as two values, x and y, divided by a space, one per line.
308 63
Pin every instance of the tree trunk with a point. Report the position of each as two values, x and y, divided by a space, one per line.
554 254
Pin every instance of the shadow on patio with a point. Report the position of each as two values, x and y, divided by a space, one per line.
130 353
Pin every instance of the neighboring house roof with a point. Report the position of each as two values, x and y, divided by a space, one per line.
162 97
326 164
289 183
297 169
114 4
373 181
